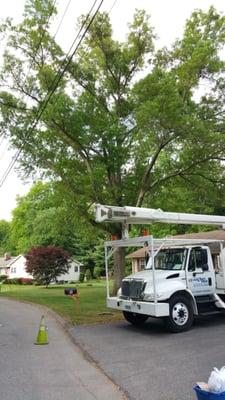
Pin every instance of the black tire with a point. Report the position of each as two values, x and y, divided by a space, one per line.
181 314
135 319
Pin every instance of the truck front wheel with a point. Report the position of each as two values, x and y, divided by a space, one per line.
135 319
181 314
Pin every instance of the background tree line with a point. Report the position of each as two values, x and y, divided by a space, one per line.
41 218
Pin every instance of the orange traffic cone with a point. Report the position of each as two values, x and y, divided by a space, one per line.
42 337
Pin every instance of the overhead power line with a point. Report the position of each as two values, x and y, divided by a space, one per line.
13 106
61 21
113 5
4 149
2 140
55 83
42 37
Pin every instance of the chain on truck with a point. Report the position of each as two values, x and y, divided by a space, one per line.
181 278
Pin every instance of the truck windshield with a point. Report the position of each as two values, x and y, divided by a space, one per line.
169 259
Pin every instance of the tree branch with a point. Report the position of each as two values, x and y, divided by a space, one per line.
148 170
86 87
182 171
83 154
22 89
14 106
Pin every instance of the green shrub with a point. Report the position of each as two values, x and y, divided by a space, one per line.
128 269
13 281
3 278
88 274
81 279
97 272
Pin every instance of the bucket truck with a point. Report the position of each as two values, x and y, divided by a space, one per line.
182 278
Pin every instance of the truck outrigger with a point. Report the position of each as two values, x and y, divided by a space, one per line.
181 278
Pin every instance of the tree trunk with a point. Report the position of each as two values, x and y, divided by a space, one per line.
119 268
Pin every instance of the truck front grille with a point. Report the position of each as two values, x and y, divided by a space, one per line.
132 288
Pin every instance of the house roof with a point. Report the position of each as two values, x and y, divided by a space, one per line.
6 263
77 262
211 235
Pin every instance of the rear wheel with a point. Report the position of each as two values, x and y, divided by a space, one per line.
134 318
181 314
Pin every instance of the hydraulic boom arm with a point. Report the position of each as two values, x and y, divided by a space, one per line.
137 215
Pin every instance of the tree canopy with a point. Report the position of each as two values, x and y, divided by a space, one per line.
5 232
43 218
127 122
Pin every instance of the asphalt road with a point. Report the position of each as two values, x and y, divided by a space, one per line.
151 364
55 371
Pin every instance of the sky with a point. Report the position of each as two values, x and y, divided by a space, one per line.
167 17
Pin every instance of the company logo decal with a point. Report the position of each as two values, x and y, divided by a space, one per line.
200 282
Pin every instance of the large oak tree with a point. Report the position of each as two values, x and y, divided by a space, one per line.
126 120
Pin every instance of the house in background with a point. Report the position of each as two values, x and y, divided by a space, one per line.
73 274
5 263
138 256
15 267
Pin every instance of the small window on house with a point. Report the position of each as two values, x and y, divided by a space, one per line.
142 264
76 269
13 270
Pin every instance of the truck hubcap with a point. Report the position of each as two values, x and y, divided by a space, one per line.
180 313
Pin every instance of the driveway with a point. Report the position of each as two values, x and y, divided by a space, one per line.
150 364
54 371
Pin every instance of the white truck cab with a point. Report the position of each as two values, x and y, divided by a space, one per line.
180 279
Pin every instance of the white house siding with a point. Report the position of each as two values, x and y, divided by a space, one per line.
72 275
18 268
5 265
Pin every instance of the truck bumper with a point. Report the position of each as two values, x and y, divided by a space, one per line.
139 307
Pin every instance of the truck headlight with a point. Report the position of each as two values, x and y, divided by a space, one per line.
151 297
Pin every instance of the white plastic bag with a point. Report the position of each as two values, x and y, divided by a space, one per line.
216 380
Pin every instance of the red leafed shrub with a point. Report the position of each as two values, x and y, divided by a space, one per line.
47 263
25 281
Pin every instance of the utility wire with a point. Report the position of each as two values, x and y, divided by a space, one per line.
37 49
50 92
113 5
2 140
4 150
60 74
63 16
54 85
33 60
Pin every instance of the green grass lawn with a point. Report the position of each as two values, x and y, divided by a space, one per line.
92 301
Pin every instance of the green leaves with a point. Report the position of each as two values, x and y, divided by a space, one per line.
5 244
108 135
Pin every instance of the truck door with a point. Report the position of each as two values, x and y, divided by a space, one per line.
200 276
